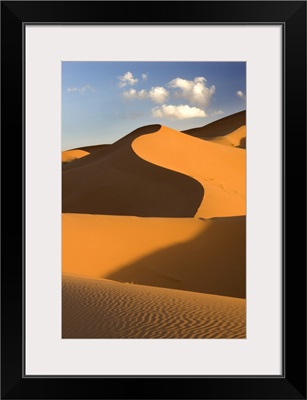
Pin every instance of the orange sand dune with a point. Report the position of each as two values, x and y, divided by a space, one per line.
104 309
219 169
71 155
179 253
221 127
118 182
236 138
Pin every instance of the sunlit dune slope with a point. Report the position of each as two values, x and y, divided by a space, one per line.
119 182
106 309
71 155
219 169
179 253
221 127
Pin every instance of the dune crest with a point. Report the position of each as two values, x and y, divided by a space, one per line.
219 169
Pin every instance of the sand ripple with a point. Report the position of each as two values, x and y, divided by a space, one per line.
107 309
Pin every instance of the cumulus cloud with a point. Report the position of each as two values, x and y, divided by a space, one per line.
196 91
157 94
177 112
81 89
240 94
132 94
144 77
127 79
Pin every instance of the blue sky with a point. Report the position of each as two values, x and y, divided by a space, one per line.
104 101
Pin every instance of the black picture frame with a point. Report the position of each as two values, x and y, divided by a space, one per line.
292 16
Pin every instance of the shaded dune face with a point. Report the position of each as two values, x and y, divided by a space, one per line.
221 127
117 182
90 150
99 309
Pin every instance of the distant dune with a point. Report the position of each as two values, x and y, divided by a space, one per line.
106 309
119 182
236 138
71 155
221 127
179 253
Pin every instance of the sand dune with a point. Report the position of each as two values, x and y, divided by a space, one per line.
120 183
105 309
179 253
221 127
236 138
71 155
219 169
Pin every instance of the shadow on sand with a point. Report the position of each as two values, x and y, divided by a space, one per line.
213 262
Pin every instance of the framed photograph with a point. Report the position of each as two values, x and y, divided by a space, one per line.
154 160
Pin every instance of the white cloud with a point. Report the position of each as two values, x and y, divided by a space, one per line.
196 91
141 95
157 94
177 112
240 94
127 79
131 94
144 77
81 89
218 112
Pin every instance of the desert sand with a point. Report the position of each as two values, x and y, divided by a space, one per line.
236 138
70 155
153 230
179 253
106 309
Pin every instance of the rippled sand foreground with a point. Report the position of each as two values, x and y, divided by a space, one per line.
106 309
